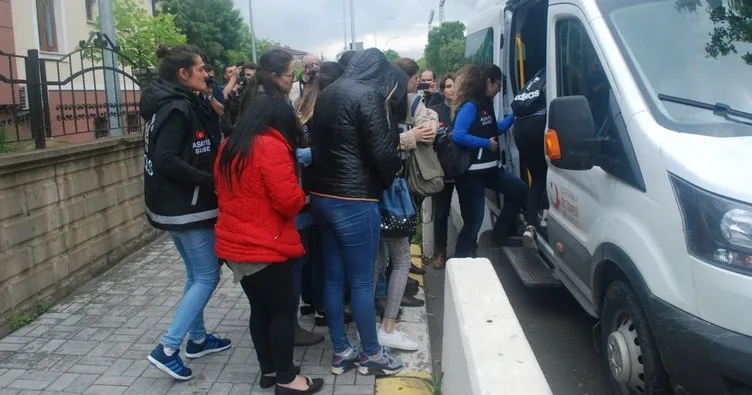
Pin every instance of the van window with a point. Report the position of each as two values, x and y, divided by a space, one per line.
579 71
691 59
479 47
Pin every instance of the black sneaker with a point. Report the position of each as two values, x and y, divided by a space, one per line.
211 344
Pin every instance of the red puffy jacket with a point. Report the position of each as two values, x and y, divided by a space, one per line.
257 215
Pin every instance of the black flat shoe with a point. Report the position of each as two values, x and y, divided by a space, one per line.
314 386
320 318
410 301
417 270
270 381
305 338
306 309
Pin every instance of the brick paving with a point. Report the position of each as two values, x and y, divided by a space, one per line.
96 341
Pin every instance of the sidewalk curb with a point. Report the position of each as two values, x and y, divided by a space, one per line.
411 383
416 378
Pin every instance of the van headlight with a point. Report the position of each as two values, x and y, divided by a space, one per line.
718 229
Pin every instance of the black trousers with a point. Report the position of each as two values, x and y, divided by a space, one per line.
528 135
271 293
442 203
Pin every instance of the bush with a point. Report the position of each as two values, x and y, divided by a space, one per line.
6 145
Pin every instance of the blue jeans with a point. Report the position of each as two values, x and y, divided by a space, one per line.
308 271
196 247
350 232
471 190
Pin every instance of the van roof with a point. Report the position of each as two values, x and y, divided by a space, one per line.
512 4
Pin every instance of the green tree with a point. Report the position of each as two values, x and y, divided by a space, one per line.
733 25
138 33
391 54
215 26
446 47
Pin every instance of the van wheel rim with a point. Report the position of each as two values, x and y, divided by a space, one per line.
625 356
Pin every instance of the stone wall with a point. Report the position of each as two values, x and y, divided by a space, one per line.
66 215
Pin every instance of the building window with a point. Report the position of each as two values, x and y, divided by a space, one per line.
47 28
91 10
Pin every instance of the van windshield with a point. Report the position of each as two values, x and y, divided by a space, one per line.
689 51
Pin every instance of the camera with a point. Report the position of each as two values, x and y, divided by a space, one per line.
209 81
424 86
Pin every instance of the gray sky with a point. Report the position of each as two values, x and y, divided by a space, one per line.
317 25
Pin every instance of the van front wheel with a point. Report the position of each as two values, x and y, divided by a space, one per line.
629 347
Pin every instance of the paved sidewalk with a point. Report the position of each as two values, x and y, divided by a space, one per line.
96 341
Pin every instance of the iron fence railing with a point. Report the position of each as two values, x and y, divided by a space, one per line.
75 97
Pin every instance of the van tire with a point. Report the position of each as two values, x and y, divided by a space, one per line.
623 316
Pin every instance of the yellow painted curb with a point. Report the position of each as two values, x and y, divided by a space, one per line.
412 383
417 261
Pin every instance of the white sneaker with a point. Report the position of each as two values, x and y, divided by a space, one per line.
528 238
397 340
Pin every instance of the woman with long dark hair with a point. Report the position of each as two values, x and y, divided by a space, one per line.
259 197
476 128
179 194
274 77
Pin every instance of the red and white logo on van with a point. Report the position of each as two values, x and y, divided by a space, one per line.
200 135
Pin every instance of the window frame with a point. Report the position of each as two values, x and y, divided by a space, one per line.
588 53
91 10
42 27
482 50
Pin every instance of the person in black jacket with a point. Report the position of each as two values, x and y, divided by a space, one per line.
179 156
529 107
443 200
354 148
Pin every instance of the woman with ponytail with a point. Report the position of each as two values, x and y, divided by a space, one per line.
179 193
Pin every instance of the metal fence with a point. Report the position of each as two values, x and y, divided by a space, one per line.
90 93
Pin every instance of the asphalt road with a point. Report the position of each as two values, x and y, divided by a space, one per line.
558 330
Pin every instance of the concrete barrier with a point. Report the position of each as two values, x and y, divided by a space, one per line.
485 351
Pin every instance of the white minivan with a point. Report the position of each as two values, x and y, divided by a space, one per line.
649 145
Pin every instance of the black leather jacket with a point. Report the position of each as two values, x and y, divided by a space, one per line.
353 137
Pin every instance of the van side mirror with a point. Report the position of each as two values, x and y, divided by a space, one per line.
572 121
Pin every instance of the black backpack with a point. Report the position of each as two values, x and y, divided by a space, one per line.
532 97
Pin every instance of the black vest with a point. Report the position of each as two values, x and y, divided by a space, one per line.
485 127
445 118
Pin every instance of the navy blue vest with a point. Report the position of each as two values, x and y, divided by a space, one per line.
485 127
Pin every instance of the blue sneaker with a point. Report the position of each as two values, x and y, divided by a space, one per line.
344 361
211 344
383 364
172 365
